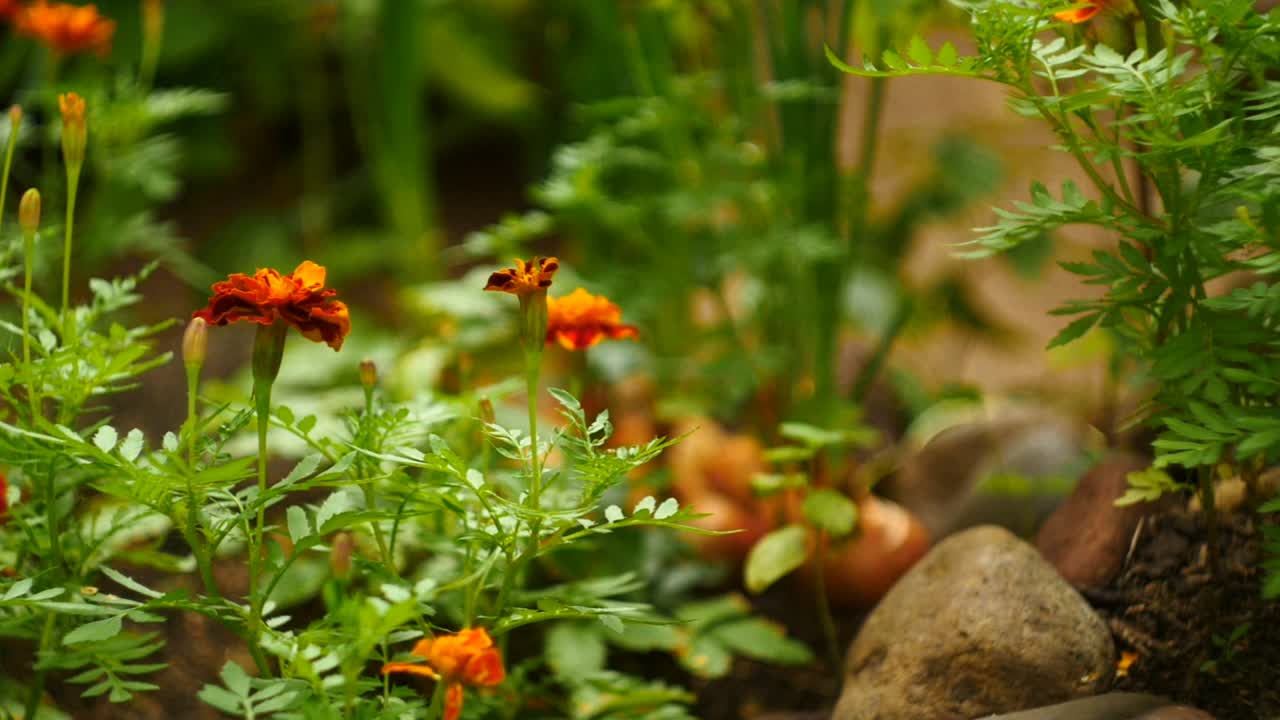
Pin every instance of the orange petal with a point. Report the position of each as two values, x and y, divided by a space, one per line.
484 669
1083 13
411 669
453 702
309 275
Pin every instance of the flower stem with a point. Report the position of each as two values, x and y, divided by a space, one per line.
29 260
37 687
8 163
824 604
68 321
204 555
262 400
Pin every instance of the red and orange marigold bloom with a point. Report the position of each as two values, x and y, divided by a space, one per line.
299 299
4 496
1082 12
580 320
9 9
466 658
67 28
524 278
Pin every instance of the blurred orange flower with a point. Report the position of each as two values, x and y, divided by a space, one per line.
4 496
1082 12
580 320
524 278
71 106
299 298
67 28
465 658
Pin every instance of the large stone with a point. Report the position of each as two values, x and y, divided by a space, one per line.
1087 538
1010 469
1112 706
982 624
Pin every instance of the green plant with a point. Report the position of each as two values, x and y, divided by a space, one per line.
406 519
706 160
1173 123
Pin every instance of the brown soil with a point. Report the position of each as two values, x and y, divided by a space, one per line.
1169 610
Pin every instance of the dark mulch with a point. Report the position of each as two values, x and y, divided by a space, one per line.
1169 609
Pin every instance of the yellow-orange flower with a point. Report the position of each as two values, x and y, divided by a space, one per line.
299 298
67 28
580 320
524 278
1083 12
467 657
72 107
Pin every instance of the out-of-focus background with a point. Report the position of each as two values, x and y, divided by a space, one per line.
692 159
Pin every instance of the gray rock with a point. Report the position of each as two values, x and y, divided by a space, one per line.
1175 712
1112 706
982 624
1010 471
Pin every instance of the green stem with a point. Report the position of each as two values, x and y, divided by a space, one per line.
8 163
29 251
262 400
51 519
1211 519
203 553
37 686
824 604
533 368
68 322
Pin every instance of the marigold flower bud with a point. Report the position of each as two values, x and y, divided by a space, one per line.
29 211
74 133
15 117
195 343
368 373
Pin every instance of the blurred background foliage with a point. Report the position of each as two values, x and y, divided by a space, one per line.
699 161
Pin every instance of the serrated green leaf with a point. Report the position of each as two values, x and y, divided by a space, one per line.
919 51
299 526
95 631
893 60
1074 330
947 55
105 438
235 678
132 445
668 508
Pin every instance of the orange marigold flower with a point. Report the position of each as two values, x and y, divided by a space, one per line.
67 28
1083 12
299 298
467 657
524 278
580 320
